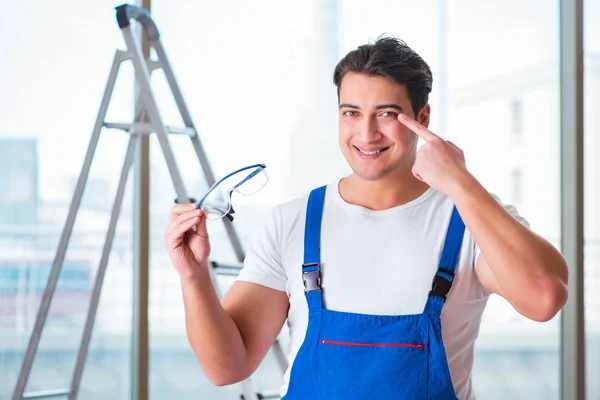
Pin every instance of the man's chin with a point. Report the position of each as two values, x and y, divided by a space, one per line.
371 176
377 174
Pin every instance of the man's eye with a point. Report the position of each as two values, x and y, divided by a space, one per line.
349 113
389 114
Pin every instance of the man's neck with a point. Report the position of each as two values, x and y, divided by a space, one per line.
381 194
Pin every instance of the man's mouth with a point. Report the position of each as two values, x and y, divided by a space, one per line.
371 151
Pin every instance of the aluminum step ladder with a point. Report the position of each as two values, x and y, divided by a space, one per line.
146 106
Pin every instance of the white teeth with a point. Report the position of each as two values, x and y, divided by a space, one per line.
370 152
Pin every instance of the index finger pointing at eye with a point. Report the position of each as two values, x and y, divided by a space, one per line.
417 128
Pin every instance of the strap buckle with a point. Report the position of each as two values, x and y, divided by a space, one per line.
441 285
311 276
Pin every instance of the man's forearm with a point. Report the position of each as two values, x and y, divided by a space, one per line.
212 333
528 269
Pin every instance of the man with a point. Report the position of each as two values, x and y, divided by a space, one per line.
351 266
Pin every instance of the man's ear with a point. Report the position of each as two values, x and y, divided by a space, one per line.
423 117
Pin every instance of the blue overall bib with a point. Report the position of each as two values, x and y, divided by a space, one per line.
359 356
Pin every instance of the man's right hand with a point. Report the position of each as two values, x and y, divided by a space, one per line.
188 249
230 339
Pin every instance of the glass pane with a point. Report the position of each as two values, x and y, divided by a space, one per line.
490 87
55 64
281 111
592 196
503 112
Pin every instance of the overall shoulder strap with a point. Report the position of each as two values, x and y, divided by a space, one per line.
311 269
442 281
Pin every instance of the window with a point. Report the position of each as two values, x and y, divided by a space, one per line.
282 75
490 64
54 70
516 108
591 47
516 177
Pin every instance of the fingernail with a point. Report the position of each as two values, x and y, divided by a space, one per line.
401 116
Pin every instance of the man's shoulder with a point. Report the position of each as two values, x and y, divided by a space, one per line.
297 204
290 213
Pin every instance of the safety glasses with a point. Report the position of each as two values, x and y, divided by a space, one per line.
246 181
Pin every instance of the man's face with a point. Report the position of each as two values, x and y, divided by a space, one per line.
373 141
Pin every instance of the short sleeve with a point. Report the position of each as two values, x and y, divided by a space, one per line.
512 210
263 263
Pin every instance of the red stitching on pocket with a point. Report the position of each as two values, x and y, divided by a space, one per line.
415 346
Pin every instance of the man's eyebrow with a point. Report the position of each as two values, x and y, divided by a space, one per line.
395 106
379 107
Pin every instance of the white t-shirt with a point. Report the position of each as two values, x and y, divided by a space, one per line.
373 262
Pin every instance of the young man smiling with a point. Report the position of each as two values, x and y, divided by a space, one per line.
383 276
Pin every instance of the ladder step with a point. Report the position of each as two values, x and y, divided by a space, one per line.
261 396
145 128
47 394
274 395
181 131
226 270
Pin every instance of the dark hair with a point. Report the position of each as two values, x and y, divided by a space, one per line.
391 58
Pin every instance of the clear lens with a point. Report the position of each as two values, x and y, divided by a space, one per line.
253 184
216 203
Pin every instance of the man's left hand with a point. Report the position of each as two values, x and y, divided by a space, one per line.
439 163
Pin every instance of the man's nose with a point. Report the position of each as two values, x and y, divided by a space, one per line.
369 131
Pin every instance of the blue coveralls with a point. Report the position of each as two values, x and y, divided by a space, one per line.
359 356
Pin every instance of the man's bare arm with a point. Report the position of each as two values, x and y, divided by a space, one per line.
230 339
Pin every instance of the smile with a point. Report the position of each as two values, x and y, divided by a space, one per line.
371 152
